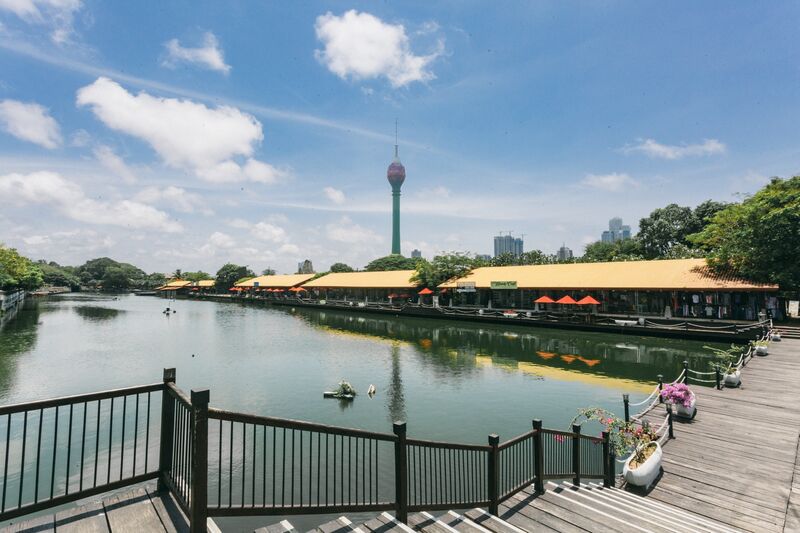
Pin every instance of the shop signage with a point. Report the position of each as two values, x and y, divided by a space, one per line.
503 285
465 286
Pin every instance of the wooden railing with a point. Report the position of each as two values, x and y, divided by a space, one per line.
223 463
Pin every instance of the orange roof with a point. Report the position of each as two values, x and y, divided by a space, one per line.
667 274
174 285
280 280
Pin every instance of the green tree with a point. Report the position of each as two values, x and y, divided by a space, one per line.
504 259
58 276
392 262
758 239
664 228
341 267
624 250
268 272
115 278
230 274
17 271
195 276
442 268
151 281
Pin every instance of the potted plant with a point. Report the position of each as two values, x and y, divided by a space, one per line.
644 464
761 347
775 335
732 377
681 396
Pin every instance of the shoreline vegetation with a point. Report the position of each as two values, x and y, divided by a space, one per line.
756 240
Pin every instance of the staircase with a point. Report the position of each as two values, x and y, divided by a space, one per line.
563 507
789 332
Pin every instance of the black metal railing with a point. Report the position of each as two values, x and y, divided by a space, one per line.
61 450
223 463
265 465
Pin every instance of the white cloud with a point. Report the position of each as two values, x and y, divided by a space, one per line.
334 195
186 135
175 198
57 15
268 232
652 148
362 46
239 223
106 156
221 240
609 182
208 56
347 231
80 138
30 122
289 249
49 188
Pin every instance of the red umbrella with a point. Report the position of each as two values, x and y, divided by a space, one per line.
277 290
234 289
566 300
293 289
544 300
299 289
588 300
393 295
425 291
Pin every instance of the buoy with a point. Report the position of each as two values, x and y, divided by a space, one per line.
371 390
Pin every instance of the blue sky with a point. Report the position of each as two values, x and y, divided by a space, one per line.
196 133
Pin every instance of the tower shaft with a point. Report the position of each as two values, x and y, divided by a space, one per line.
396 220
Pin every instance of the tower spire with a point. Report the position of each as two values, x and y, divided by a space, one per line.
395 139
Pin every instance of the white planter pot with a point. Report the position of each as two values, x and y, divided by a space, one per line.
646 473
762 349
776 337
734 379
687 412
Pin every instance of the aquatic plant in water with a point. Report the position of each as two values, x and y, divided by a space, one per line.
344 389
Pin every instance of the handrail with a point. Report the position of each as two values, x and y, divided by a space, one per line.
288 423
78 398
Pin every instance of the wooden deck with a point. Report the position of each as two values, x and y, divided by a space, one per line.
136 511
737 461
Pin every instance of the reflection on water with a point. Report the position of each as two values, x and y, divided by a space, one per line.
17 337
96 314
451 346
396 401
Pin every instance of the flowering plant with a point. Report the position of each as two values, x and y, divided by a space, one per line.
678 394
728 356
624 437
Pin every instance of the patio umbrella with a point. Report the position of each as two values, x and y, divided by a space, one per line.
544 300
293 289
234 289
277 290
566 300
393 295
299 289
588 300
425 291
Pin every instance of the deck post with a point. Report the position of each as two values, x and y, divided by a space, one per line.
626 400
576 454
199 474
685 372
494 474
718 376
400 472
167 430
608 474
660 388
669 421
538 458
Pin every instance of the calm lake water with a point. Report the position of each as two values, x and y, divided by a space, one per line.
449 380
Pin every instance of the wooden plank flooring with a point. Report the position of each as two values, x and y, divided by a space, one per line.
136 511
737 462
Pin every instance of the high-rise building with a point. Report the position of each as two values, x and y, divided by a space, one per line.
416 254
396 176
564 253
305 267
617 231
508 244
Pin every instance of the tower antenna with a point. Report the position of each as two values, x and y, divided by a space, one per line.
395 137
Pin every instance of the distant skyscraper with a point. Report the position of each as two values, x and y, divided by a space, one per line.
617 231
416 254
305 267
396 176
508 244
564 253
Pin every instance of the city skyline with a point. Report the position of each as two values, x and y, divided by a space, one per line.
255 134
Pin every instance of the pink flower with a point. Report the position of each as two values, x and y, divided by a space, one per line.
559 438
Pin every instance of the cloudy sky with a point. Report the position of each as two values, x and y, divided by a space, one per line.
189 134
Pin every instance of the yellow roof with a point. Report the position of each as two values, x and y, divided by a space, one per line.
174 284
668 274
389 279
206 283
280 281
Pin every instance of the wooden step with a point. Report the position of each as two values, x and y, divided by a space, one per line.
491 522
428 523
462 523
284 526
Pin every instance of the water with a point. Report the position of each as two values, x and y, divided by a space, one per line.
449 380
